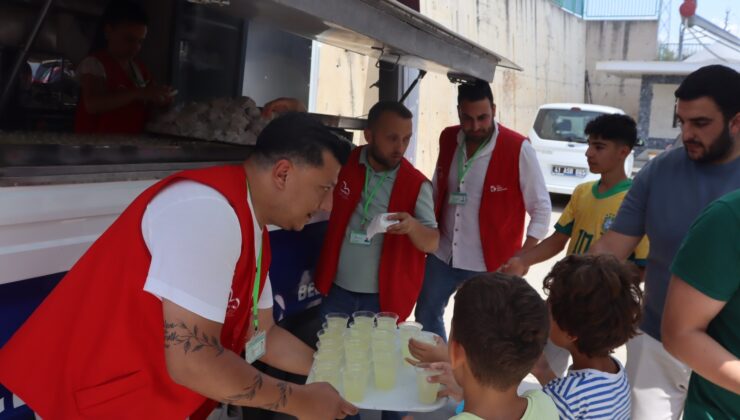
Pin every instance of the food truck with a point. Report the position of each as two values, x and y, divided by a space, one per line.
59 191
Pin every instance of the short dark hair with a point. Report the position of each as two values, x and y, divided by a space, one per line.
501 322
597 299
618 128
124 11
720 83
474 91
387 106
298 137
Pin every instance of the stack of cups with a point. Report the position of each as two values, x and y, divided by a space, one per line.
385 359
330 353
406 331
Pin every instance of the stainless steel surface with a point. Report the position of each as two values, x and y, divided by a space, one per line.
383 29
43 12
32 158
338 121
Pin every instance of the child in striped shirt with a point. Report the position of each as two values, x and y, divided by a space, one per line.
595 305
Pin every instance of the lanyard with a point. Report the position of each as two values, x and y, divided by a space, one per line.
256 291
464 167
371 195
257 279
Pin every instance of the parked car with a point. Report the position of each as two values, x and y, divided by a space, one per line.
558 137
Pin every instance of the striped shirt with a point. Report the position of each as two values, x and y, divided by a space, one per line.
591 394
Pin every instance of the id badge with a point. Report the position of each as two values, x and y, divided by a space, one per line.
458 198
359 238
256 347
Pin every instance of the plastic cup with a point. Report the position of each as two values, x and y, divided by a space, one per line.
355 349
337 321
427 392
326 336
406 331
354 380
327 373
328 358
383 341
385 367
336 332
330 349
364 319
386 320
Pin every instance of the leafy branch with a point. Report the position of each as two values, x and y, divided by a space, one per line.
191 339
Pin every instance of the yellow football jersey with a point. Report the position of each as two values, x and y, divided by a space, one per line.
589 214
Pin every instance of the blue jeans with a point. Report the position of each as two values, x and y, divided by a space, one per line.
344 301
440 282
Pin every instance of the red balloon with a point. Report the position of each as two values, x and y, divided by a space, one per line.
688 8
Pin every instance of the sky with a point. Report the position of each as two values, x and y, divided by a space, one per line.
712 10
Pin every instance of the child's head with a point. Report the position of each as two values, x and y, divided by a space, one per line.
611 138
499 328
595 303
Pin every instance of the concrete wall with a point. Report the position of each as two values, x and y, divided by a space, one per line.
537 35
661 112
618 40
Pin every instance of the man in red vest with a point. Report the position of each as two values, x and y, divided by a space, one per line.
151 321
383 272
116 89
487 177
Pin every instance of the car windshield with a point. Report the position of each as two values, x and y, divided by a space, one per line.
563 124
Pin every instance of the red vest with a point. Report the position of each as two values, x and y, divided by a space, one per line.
129 119
94 348
401 269
501 213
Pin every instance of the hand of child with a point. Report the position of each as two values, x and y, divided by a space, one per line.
446 378
515 266
428 353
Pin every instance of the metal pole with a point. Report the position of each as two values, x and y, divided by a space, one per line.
23 54
680 41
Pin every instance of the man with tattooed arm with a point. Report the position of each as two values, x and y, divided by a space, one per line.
151 321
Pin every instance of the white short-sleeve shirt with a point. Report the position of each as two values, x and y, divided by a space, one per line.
194 238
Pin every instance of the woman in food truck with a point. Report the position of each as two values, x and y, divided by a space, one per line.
117 90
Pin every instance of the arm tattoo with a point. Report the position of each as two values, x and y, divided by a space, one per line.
282 401
248 392
191 339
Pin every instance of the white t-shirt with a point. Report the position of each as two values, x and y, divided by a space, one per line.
194 238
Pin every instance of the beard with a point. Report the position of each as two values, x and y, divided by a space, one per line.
386 163
478 136
717 150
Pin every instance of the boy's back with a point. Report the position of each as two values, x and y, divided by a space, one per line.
592 394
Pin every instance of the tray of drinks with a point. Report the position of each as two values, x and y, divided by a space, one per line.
365 362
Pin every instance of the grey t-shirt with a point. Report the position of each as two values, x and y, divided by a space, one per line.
666 196
357 270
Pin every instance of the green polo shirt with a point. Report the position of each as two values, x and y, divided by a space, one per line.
709 261
358 264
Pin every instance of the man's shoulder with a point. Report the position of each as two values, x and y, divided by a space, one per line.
509 134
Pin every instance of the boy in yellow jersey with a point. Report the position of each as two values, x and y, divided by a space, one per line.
592 207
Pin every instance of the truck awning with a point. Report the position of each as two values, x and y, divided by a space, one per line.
383 29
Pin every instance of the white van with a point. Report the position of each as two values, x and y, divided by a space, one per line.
558 137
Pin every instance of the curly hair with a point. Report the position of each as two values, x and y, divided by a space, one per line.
501 322
597 299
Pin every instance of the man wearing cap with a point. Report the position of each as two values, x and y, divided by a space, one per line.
151 321
487 178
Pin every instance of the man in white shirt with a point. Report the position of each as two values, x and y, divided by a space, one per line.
487 177
152 320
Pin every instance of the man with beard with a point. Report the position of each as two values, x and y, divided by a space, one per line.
382 273
665 198
487 177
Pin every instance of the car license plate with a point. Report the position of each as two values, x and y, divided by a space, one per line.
569 171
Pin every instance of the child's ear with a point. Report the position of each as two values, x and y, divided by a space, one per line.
457 354
625 152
